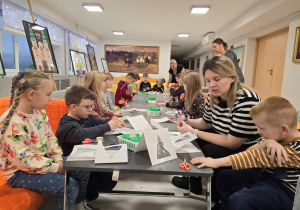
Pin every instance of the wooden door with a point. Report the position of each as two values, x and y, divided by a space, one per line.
270 60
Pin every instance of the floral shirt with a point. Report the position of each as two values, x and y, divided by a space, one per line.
29 144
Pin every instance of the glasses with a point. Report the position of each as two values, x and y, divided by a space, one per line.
88 107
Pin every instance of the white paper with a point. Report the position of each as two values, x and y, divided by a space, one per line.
122 130
134 109
159 146
188 148
83 152
139 123
123 118
111 154
155 122
179 141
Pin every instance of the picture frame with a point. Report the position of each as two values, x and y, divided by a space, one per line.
92 58
134 59
40 47
78 63
2 69
104 64
239 51
296 54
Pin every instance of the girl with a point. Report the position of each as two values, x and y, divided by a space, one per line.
193 102
226 127
221 47
29 151
158 87
94 80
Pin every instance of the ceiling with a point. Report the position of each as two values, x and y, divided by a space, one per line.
162 20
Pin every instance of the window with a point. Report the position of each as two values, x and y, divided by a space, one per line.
25 59
8 50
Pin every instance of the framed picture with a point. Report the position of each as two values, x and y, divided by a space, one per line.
239 51
40 47
296 55
2 69
135 59
78 62
104 64
92 58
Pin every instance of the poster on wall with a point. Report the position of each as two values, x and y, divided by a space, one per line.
78 62
104 64
135 59
92 58
2 69
296 55
239 51
40 47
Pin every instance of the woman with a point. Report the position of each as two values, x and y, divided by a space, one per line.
174 69
221 47
228 126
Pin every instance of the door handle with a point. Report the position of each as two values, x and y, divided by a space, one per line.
271 71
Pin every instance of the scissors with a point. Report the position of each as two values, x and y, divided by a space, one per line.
87 141
185 165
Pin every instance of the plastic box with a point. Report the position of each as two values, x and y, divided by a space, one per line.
130 144
153 111
151 100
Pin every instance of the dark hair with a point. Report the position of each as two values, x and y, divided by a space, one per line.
76 93
136 76
145 75
178 75
220 41
20 83
130 75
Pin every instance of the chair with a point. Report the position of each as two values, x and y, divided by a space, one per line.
296 205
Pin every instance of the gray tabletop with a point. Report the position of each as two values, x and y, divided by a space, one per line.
140 162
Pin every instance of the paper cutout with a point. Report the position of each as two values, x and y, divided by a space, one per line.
179 141
111 154
83 152
139 123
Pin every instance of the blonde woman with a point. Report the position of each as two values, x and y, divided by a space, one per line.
174 69
95 81
226 127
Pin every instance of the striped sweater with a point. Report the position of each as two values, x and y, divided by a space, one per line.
238 123
259 158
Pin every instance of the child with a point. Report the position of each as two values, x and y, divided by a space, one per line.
179 91
145 86
137 78
272 187
29 149
122 93
158 87
95 81
193 103
79 124
106 97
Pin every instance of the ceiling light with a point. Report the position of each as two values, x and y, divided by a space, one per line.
183 35
118 33
93 7
199 10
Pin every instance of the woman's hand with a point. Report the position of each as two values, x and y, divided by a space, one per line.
118 114
206 162
276 149
183 127
168 85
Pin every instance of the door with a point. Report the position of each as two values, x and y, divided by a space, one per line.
270 60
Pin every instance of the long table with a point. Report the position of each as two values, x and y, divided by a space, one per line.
140 162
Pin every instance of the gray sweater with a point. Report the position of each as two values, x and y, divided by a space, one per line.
230 54
107 102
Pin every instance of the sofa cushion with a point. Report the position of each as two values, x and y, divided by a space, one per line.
4 104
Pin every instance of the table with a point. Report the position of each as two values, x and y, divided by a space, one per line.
140 162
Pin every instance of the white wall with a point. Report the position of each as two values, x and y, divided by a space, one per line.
164 54
291 77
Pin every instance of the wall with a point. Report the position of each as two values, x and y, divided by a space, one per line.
291 77
164 54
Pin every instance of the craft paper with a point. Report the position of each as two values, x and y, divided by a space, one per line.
179 141
139 123
122 130
111 154
188 148
83 152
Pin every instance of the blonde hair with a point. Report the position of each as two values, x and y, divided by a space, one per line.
223 66
160 81
278 111
20 83
108 76
93 81
173 61
192 81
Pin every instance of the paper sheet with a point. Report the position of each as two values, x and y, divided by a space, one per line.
155 122
83 152
139 123
134 109
188 148
122 130
180 140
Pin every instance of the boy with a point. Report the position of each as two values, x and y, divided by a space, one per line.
145 86
272 187
79 124
158 87
122 93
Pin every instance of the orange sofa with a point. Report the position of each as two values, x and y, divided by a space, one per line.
20 198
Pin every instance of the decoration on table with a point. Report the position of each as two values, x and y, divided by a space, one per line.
136 59
2 69
296 55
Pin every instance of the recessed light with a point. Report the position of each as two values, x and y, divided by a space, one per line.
120 33
93 7
183 35
199 10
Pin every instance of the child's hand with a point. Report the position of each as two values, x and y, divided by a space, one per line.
118 114
113 123
148 88
181 115
274 148
205 162
160 104
121 122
